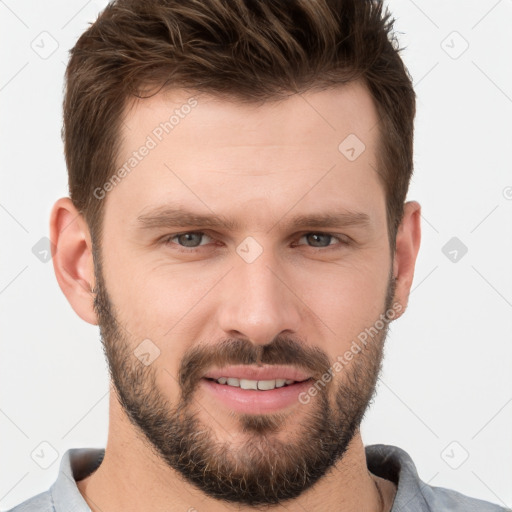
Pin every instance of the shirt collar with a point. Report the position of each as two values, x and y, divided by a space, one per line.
395 464
76 464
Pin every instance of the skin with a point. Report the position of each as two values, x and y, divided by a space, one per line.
260 165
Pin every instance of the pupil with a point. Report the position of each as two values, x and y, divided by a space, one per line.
188 239
319 236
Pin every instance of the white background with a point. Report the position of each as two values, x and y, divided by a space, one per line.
447 379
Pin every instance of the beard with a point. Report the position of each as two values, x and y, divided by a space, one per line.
262 468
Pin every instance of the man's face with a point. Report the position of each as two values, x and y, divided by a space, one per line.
265 289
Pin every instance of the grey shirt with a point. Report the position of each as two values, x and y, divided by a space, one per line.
385 461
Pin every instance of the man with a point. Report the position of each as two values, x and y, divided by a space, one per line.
238 229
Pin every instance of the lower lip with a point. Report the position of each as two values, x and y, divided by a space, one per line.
254 401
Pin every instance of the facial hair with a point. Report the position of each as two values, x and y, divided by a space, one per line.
264 470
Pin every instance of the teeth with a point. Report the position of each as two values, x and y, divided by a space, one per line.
263 385
248 384
266 384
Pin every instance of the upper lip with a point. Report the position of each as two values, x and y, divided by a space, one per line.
271 372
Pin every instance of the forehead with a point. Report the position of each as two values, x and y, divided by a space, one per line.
197 149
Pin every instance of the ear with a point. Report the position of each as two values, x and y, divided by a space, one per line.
407 246
72 258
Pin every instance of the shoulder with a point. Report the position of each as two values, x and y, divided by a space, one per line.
40 502
64 495
439 498
414 495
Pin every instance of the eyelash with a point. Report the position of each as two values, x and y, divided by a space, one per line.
343 241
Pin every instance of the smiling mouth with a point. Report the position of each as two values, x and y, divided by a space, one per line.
260 385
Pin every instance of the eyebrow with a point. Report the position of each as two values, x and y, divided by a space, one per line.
171 217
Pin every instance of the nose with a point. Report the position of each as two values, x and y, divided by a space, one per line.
258 303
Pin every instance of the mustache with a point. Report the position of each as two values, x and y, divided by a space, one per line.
281 351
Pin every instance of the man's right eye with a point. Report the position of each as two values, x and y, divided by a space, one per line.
190 239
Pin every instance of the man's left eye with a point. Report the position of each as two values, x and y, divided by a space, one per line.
322 239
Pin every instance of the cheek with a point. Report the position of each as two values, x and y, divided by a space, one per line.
344 299
161 301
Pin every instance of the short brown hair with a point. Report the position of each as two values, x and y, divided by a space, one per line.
248 50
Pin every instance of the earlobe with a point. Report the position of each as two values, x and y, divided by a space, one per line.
408 240
72 258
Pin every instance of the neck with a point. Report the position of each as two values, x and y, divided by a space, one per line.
133 477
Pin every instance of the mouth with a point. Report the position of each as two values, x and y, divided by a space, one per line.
260 385
256 390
